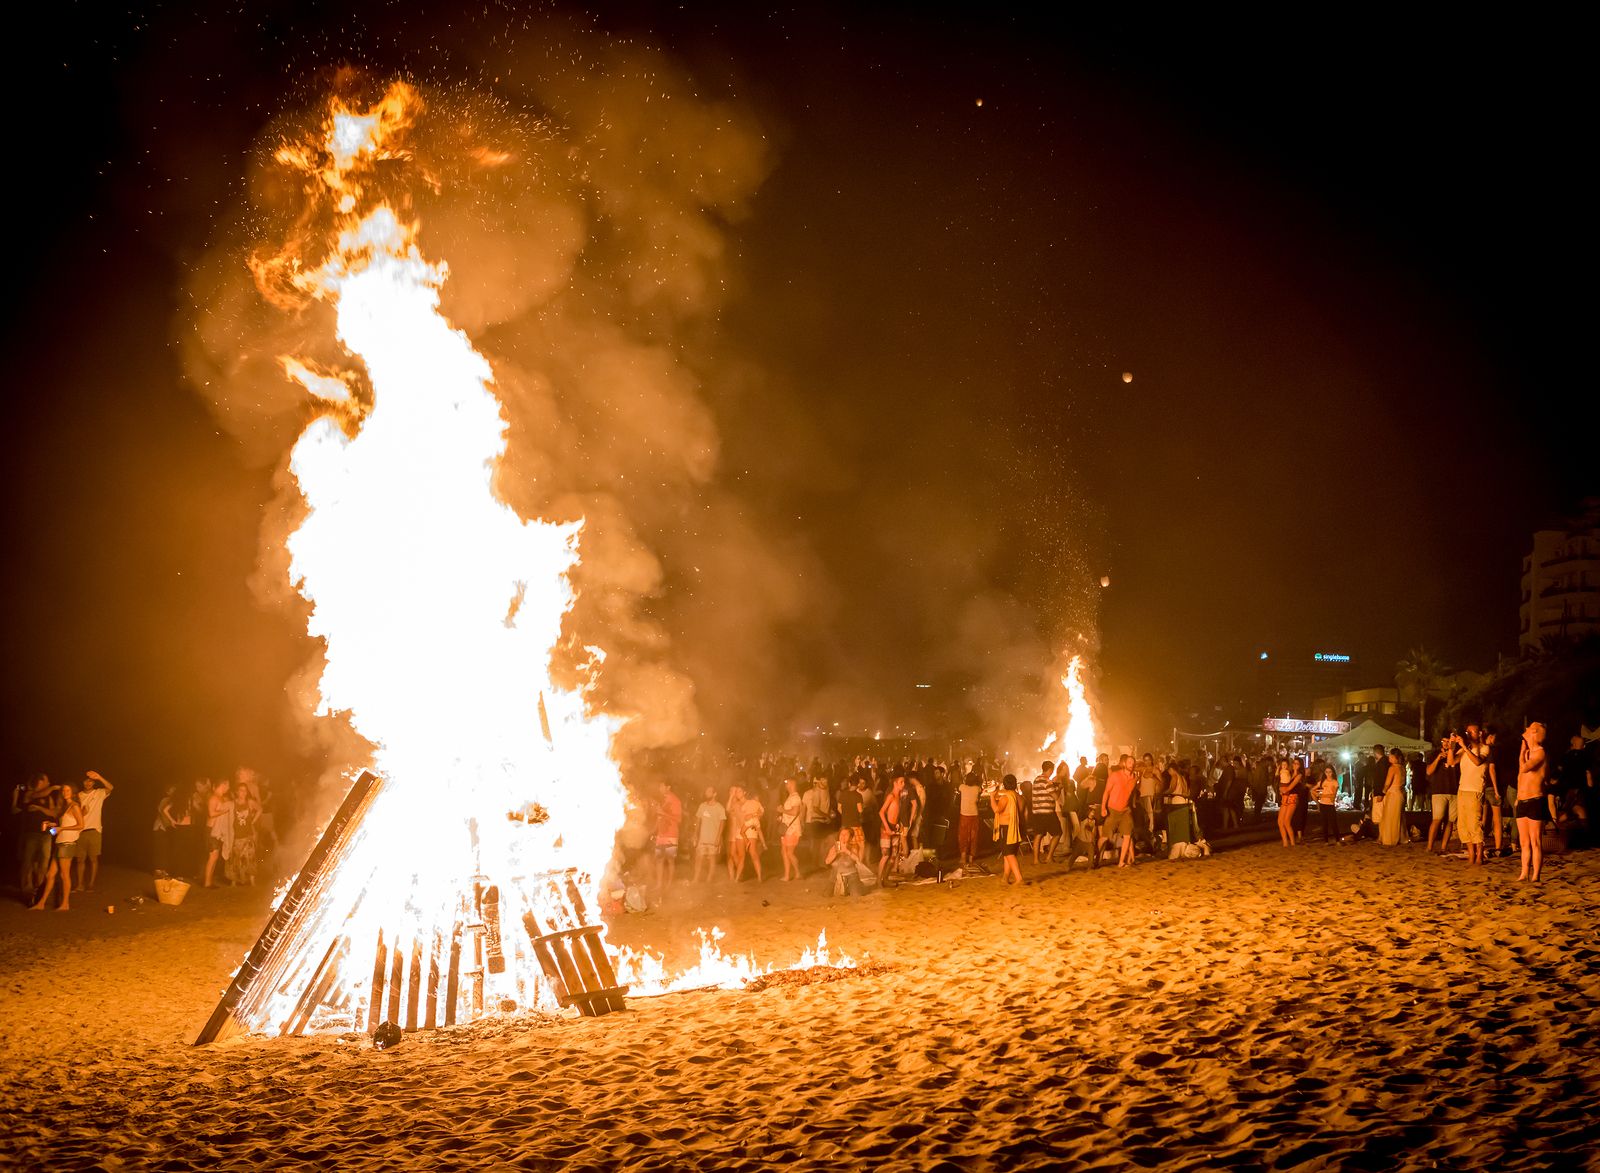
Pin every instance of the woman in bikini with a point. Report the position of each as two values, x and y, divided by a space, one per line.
755 841
1288 781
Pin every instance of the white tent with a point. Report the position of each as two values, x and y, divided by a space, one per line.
1368 734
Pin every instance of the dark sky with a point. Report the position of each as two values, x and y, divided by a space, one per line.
1338 261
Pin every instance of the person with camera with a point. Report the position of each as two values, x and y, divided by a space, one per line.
1471 756
65 828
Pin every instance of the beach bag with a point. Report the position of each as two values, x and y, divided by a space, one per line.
1377 809
171 891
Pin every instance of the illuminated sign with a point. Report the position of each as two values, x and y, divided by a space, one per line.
1295 725
1331 658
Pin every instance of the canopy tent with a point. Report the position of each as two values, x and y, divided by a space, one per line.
1368 734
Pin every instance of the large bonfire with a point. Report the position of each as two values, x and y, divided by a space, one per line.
461 870
438 608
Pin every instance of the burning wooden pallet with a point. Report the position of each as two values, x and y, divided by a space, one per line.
422 977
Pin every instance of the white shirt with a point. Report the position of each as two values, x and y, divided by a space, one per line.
90 802
1472 772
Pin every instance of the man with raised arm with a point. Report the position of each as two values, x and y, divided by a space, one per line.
1532 801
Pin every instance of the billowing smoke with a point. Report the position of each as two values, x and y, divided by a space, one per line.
585 230
586 201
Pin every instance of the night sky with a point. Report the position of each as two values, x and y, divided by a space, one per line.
1339 262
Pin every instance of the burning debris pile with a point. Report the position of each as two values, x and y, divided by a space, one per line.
494 795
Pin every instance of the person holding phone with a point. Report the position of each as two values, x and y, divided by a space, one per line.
66 828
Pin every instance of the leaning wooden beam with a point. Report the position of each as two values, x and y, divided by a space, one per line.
414 983
430 1018
327 973
262 968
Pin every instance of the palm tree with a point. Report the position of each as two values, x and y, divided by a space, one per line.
1417 677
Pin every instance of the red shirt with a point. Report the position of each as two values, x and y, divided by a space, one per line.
1119 789
668 815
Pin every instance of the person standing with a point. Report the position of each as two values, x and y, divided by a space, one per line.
1287 789
91 801
1472 758
1532 801
791 815
710 817
1007 809
219 828
1043 823
67 826
1502 772
1150 800
969 792
817 816
37 813
1116 807
1391 825
1328 803
669 818
1443 778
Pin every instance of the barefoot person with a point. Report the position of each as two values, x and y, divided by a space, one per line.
709 819
791 814
1443 778
1043 824
736 839
967 833
1532 803
91 799
219 826
755 838
1007 809
1472 757
68 825
1287 786
1117 808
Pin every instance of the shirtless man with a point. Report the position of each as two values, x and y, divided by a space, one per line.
891 837
1532 802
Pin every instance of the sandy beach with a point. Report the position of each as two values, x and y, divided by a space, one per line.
1327 1007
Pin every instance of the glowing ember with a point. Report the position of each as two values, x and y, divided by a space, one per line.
1078 736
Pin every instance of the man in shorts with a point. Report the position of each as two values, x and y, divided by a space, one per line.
40 809
92 799
1471 757
1043 825
1116 807
1532 802
891 835
669 817
709 819
1443 778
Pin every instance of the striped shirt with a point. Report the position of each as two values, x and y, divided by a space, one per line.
1042 796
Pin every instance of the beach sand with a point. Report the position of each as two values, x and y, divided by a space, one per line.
1341 1006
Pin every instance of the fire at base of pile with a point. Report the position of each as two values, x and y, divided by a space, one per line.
382 960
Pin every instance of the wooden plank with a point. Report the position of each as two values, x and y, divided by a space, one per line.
430 1018
375 995
397 973
414 985
317 989
452 987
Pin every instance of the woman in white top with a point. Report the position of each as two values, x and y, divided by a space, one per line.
790 814
68 826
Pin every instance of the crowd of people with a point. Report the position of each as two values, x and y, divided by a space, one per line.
217 831
867 821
